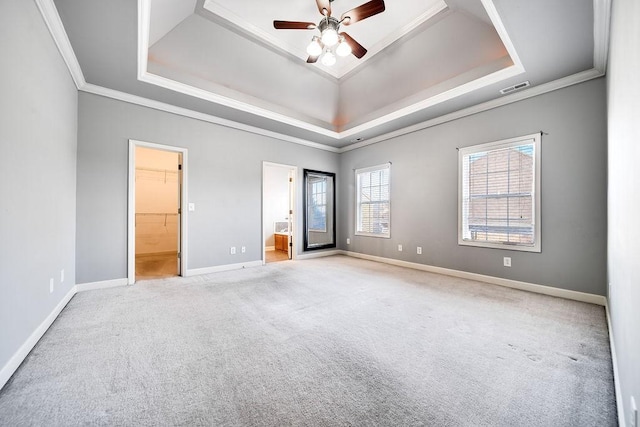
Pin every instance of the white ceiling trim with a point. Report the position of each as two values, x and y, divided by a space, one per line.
498 76
144 19
502 32
601 22
189 90
144 27
54 24
479 83
334 71
393 37
485 106
169 108
52 19
144 16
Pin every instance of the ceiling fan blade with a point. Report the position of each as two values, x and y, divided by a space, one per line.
324 5
363 11
356 48
293 25
312 59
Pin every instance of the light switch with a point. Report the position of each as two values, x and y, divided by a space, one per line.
192 207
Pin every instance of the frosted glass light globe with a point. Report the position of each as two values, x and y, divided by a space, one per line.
343 49
328 59
314 48
329 37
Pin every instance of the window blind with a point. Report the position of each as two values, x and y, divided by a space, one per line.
498 194
373 201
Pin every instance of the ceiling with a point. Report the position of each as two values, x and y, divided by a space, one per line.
428 61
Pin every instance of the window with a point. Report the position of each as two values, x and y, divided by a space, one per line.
318 204
373 207
499 194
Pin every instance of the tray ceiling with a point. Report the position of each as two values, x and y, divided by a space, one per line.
374 33
428 59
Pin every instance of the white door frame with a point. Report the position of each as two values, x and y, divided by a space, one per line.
293 204
131 208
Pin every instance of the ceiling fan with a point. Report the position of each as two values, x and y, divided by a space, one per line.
329 27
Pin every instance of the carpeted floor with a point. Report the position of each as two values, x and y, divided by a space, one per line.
325 342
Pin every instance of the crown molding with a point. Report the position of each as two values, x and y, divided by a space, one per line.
601 22
144 12
196 92
491 10
485 106
144 25
471 86
185 112
52 19
602 9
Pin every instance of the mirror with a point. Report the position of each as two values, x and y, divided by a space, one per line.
319 210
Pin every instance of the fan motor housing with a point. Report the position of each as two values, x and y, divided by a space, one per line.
329 22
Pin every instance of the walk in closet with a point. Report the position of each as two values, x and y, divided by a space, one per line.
157 214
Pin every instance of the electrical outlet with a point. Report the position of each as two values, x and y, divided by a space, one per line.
233 250
507 261
419 250
243 249
348 241
399 248
62 275
633 414
51 285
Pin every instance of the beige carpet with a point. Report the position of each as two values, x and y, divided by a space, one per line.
153 266
325 342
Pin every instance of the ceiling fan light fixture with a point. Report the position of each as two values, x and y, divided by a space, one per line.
343 48
329 37
328 58
314 48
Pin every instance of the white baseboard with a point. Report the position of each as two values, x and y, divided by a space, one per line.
226 267
101 285
270 248
12 365
616 377
525 286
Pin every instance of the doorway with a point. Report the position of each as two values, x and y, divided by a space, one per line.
278 212
156 198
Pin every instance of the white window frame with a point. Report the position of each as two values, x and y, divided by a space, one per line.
386 235
506 143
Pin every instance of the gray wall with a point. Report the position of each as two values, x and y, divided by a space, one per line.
624 195
225 183
38 113
424 191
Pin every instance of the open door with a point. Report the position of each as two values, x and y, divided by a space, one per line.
156 211
278 212
291 210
